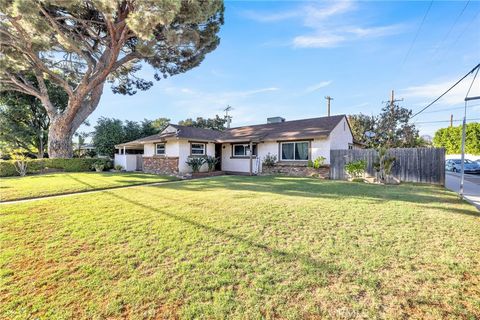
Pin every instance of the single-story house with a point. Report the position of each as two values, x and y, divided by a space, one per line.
240 150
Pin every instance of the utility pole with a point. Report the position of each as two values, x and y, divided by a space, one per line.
392 100
328 104
451 120
229 118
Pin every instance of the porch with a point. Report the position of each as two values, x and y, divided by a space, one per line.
129 156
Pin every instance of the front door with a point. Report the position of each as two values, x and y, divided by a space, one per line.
218 155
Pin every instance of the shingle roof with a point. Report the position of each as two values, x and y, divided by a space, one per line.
197 133
288 130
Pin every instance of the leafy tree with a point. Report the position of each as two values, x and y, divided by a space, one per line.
362 127
216 123
24 123
80 45
451 139
160 124
132 130
108 132
390 129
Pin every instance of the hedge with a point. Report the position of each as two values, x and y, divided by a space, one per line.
7 167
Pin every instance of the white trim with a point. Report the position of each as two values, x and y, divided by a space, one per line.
245 146
294 143
204 149
156 149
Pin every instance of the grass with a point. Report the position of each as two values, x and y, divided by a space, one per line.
15 188
243 248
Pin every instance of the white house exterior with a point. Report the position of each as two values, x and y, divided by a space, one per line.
293 143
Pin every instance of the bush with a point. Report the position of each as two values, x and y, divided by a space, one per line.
356 169
98 166
118 167
195 163
211 163
310 164
269 160
318 162
7 168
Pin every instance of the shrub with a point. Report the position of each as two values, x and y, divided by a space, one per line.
98 166
269 160
195 163
318 162
20 164
310 164
118 167
211 163
7 167
356 169
383 165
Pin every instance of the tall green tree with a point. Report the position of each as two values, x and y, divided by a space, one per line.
80 45
451 139
108 132
217 123
24 123
390 129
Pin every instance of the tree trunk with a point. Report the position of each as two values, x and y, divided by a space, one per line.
60 139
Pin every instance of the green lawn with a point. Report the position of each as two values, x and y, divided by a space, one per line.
13 188
243 248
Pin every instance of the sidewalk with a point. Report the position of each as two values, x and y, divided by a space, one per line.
471 189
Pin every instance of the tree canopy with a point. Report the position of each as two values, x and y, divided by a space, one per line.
451 139
80 45
390 129
216 123
24 122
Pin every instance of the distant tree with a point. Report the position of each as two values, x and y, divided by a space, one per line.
390 129
160 124
216 123
108 132
81 141
362 126
24 123
80 45
451 139
132 130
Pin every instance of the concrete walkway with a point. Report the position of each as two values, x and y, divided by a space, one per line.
471 186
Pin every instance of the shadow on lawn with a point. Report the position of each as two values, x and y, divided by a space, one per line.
314 188
281 255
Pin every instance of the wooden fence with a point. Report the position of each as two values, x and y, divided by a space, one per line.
424 165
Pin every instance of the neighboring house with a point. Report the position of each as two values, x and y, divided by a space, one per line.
292 142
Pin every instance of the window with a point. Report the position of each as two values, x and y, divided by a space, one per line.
243 150
160 148
294 151
197 149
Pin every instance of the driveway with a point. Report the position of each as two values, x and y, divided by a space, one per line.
471 186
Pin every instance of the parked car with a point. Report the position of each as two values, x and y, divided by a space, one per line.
455 165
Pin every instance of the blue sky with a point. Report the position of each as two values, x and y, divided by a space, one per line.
282 58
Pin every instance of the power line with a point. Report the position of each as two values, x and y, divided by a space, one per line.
450 109
418 32
467 26
451 28
448 90
441 121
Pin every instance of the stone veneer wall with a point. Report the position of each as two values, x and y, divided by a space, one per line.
160 165
299 170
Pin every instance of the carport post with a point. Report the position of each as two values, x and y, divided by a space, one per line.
251 157
123 150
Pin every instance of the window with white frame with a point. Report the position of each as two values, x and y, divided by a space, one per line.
294 151
243 150
197 149
160 148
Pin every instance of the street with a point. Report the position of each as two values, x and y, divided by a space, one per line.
471 186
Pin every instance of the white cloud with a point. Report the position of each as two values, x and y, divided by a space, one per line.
329 26
317 86
317 41
426 93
